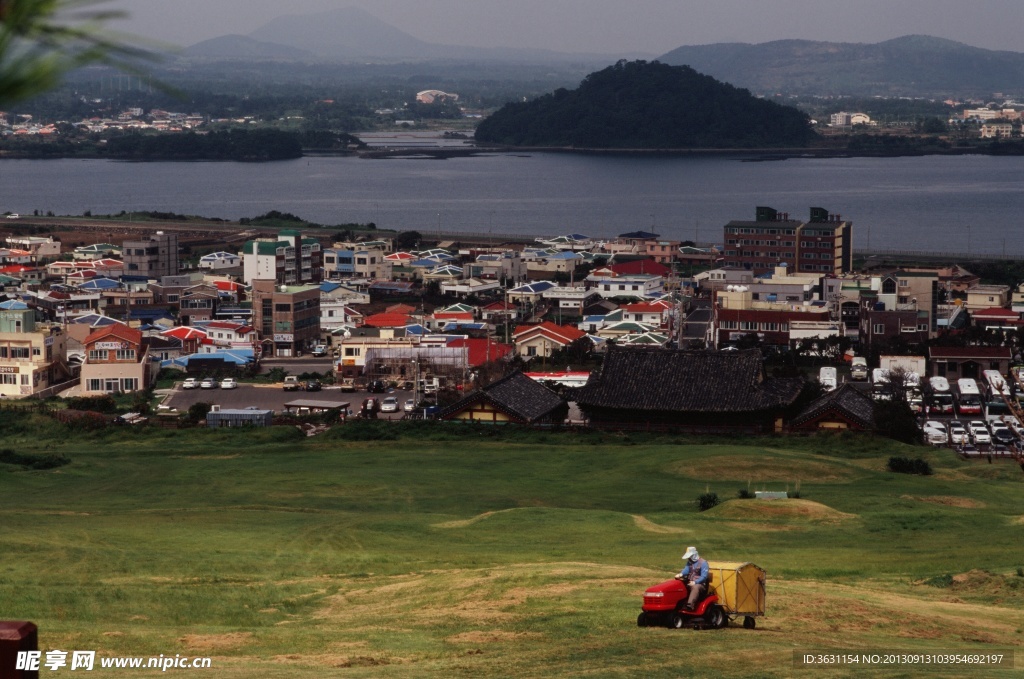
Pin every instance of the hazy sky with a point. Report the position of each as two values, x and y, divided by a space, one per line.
651 26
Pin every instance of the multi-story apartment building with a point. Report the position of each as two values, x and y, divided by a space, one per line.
32 355
116 361
737 314
288 260
287 317
821 245
353 260
153 257
663 251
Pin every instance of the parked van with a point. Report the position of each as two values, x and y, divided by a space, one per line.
828 378
859 368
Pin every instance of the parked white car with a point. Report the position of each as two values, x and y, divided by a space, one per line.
208 383
190 383
935 433
957 433
389 405
979 432
229 383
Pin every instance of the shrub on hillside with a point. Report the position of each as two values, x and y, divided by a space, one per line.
706 501
8 456
906 465
364 430
96 404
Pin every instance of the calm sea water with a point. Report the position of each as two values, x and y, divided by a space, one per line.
956 204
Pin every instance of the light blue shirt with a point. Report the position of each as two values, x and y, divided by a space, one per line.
702 575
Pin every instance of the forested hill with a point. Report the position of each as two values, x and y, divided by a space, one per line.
648 105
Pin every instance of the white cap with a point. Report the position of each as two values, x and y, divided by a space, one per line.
691 554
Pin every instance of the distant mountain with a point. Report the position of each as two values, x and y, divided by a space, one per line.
642 105
914 65
351 33
243 47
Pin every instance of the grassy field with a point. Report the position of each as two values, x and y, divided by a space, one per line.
481 553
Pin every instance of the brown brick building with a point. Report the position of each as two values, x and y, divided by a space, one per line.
822 245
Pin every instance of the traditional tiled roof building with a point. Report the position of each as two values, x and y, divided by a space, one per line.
641 388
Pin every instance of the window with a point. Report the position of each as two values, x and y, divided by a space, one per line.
129 384
748 325
24 380
352 351
20 352
770 327
96 355
95 385
36 351
904 283
283 307
531 351
728 325
879 329
922 327
888 287
8 378
125 354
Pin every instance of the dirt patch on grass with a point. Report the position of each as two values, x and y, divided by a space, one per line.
491 637
216 642
768 510
948 501
762 469
213 457
647 525
463 523
835 613
770 527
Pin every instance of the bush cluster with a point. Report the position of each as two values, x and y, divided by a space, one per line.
706 501
906 465
8 456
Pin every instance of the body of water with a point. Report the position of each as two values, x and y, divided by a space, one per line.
968 204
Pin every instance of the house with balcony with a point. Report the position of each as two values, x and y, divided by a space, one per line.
987 296
116 361
627 285
543 339
355 260
33 355
571 301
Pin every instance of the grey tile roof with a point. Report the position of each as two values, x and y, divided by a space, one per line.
517 395
686 381
847 400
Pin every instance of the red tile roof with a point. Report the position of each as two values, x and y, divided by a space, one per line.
995 312
563 334
480 350
400 309
116 331
387 320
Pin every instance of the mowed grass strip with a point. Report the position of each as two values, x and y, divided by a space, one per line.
461 554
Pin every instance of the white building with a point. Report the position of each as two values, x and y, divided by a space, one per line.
219 260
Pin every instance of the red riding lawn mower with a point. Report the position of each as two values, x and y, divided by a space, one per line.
734 590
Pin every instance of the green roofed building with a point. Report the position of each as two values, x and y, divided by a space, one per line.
289 259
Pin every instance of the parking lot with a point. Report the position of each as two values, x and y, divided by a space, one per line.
273 397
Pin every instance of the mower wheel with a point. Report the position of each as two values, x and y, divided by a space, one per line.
677 621
641 620
716 617
749 622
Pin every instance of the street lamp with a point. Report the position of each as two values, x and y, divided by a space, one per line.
416 383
